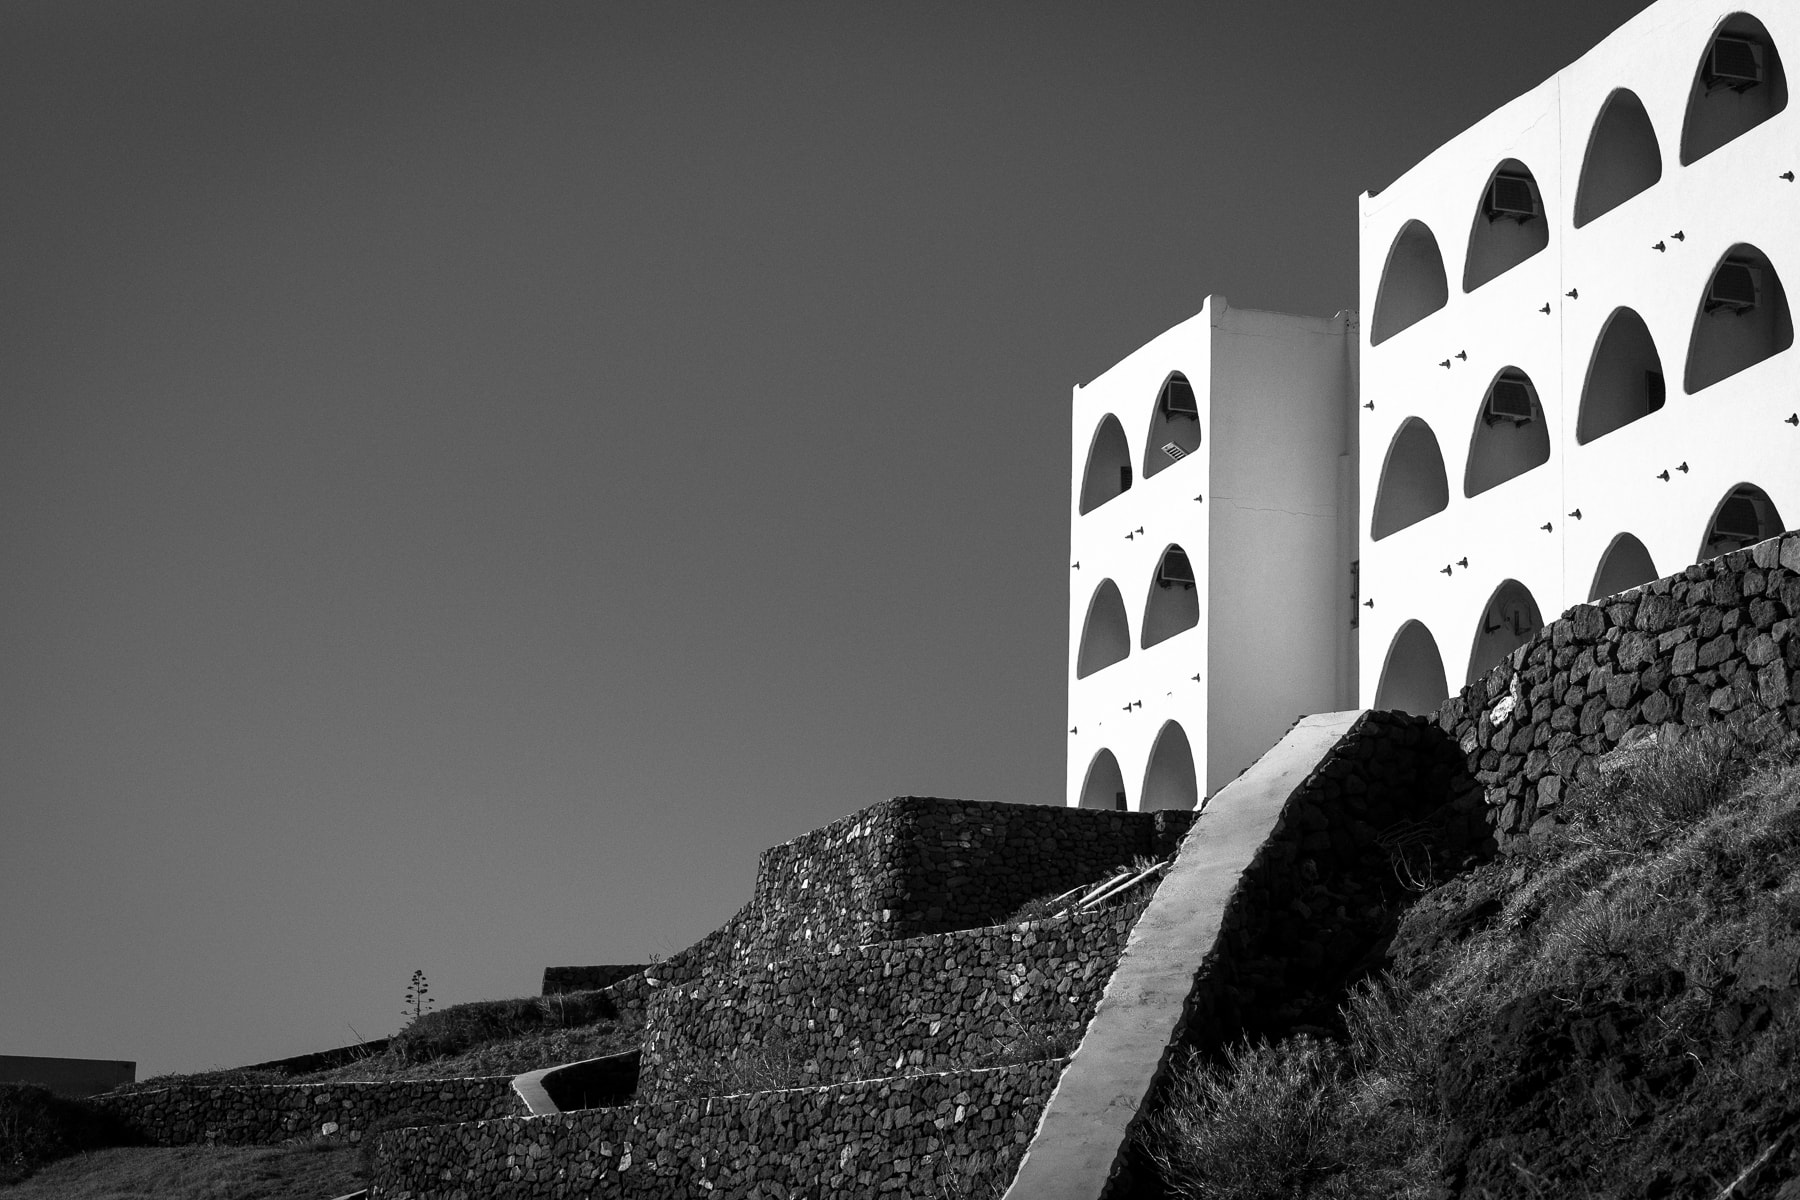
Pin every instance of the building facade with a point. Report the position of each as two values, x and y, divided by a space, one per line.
1574 374
1211 513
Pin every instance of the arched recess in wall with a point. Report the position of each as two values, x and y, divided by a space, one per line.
1173 603
1412 678
1744 517
1170 780
1104 786
1623 157
1413 285
1738 85
1511 436
1742 318
1105 636
1509 224
1108 471
1174 425
1509 620
1413 484
1624 377
1625 565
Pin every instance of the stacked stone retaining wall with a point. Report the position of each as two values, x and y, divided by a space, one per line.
908 867
964 999
1389 810
918 1137
240 1115
1718 645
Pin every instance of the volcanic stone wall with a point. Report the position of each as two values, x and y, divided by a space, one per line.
921 1136
911 866
1391 807
239 1115
970 998
1718 645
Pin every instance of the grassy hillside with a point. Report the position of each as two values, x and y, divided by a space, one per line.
1613 1012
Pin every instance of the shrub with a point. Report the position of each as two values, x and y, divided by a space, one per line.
1285 1121
460 1027
37 1126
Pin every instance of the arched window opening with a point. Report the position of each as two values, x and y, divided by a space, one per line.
1412 678
1412 283
1509 621
1170 780
1105 636
1624 378
1174 601
1108 465
1625 565
1509 225
1743 318
1105 783
1745 517
1738 85
1413 484
1174 425
1511 436
1623 157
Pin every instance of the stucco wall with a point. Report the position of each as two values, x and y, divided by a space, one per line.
1716 645
1659 478
923 1136
1259 510
964 999
239 1115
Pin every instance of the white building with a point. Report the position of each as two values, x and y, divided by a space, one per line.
1576 353
1211 538
1574 376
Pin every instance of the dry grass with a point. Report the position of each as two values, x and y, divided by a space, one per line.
311 1171
1681 862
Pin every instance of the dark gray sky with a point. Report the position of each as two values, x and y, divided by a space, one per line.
472 476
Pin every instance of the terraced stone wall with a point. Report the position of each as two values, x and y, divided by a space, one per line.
250 1115
1716 645
919 1137
970 998
1389 808
912 866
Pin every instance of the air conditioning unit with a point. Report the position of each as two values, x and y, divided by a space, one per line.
1738 520
1510 399
1177 399
1735 63
1175 569
1511 196
1735 288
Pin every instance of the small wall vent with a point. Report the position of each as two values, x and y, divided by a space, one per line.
1735 288
1511 196
1175 453
1735 63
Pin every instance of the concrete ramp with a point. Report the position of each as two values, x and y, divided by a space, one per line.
1081 1137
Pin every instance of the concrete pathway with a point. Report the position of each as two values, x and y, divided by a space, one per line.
1083 1130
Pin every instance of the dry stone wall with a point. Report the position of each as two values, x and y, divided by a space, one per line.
921 1136
908 867
240 1115
1388 809
1718 645
969 998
